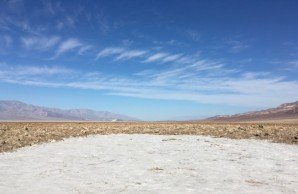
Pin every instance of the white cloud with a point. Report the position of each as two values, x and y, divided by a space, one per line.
190 77
130 54
171 58
84 49
253 75
40 43
120 53
202 65
44 70
109 51
68 45
46 76
156 57
28 71
287 65
253 91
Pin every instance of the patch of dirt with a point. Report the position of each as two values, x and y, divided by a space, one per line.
155 169
256 182
15 135
169 139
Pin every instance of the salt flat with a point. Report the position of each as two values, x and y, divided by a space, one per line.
151 164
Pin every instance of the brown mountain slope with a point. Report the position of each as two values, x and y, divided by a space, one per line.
284 111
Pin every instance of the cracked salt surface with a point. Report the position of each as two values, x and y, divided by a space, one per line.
151 164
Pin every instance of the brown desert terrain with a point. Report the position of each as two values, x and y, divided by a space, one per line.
15 135
287 112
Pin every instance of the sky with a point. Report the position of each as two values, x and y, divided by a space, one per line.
150 59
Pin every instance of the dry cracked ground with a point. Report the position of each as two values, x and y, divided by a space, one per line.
14 135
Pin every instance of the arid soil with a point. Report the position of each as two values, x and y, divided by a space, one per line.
15 135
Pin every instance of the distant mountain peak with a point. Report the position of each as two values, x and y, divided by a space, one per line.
17 110
284 111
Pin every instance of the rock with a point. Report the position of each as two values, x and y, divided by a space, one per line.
240 128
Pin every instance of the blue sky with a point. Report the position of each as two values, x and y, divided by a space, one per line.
153 60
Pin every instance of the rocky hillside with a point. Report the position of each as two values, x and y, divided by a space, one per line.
15 110
284 111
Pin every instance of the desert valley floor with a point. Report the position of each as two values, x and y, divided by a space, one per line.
148 157
14 135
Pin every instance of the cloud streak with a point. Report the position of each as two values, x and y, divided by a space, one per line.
84 49
40 43
156 57
188 83
171 58
68 45
120 53
109 51
27 71
130 54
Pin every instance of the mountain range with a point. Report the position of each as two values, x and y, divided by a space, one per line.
16 110
284 111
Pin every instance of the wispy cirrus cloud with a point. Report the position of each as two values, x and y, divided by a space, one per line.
287 65
84 49
15 24
40 43
155 57
120 53
231 45
146 56
68 45
31 70
71 44
181 83
253 75
109 51
189 77
130 54
171 58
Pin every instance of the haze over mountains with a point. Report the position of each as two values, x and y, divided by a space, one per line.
16 110
284 111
